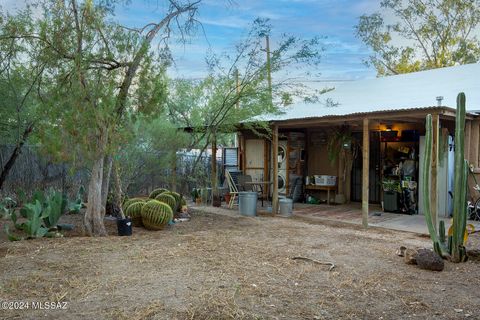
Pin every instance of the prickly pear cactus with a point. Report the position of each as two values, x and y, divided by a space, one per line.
156 214
156 192
168 199
134 211
127 203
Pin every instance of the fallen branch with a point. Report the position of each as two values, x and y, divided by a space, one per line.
316 261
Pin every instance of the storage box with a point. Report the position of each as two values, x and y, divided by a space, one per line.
323 180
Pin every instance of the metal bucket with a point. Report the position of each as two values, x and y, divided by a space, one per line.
247 203
286 207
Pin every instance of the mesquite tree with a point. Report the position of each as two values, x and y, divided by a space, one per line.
20 98
238 89
103 74
414 35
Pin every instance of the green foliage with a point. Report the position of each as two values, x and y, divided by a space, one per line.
156 192
168 199
391 185
195 194
54 207
339 143
134 211
455 247
33 227
53 204
6 206
421 35
156 214
42 213
77 204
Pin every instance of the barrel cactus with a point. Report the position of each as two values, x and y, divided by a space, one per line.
127 203
156 214
156 192
134 211
168 199
178 199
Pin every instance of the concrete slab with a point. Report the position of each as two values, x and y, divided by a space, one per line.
352 213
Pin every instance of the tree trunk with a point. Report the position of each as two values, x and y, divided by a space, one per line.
107 166
215 193
93 220
16 152
118 190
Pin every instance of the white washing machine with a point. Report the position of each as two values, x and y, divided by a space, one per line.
282 154
282 167
282 182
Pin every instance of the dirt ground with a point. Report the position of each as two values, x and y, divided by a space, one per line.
221 266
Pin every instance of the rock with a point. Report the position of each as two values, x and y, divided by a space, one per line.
401 251
429 260
473 254
410 256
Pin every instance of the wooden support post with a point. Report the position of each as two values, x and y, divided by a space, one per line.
275 169
214 167
365 172
434 170
243 163
474 144
468 134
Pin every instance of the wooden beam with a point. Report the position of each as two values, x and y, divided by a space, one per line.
365 172
243 145
468 134
474 143
275 170
434 168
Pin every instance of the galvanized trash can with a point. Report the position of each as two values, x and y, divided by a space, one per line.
286 207
247 203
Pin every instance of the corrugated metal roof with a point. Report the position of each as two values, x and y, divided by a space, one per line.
394 93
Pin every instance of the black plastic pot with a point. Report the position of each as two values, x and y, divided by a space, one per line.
124 227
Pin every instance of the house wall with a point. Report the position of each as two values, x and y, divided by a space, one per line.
317 153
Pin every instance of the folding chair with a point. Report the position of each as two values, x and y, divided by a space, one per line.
232 188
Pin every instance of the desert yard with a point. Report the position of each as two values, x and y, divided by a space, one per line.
220 266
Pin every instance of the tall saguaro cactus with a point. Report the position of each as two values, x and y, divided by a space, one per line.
460 185
455 249
425 189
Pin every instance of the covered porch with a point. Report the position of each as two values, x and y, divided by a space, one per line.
299 147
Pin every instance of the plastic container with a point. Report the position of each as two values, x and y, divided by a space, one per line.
124 227
247 203
286 207
323 180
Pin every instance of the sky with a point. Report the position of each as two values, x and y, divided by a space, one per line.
224 22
